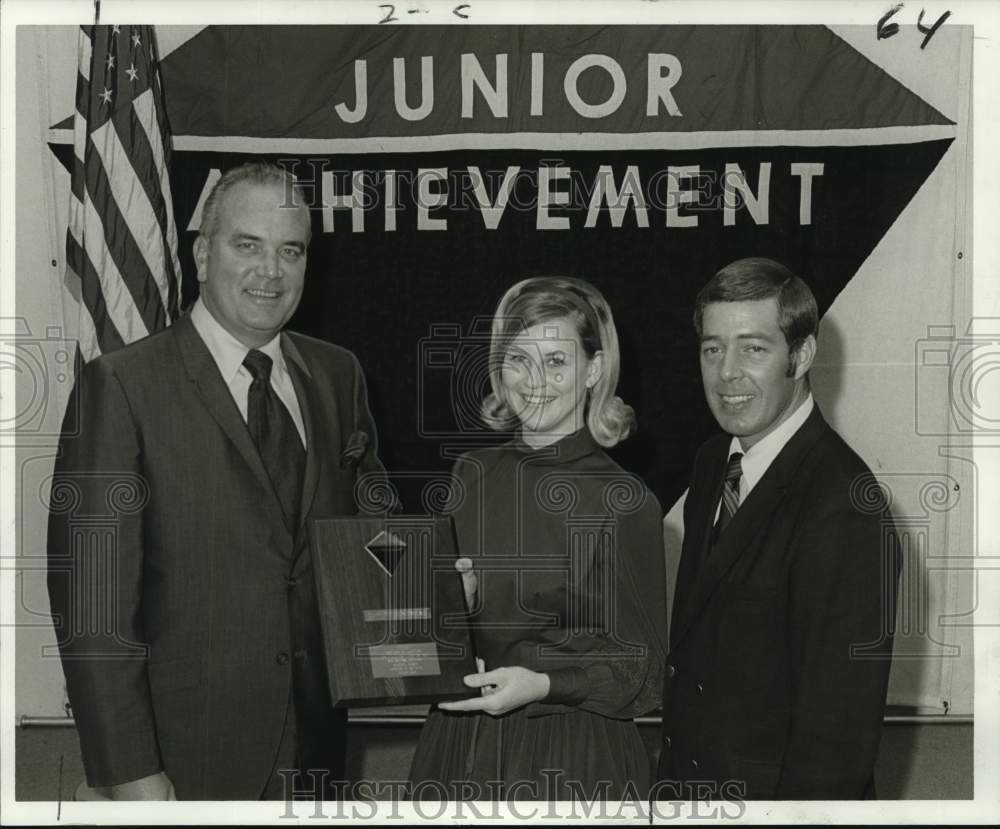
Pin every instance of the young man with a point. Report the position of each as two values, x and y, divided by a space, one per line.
780 641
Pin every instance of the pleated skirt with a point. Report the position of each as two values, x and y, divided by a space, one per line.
561 756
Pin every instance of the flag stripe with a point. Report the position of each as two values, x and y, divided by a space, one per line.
123 254
151 172
132 200
86 50
159 142
82 92
80 122
78 177
101 324
117 297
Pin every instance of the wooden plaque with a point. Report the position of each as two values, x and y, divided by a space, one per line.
392 610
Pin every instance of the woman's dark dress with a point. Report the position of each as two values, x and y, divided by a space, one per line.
568 549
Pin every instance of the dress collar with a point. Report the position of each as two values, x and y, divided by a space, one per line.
570 448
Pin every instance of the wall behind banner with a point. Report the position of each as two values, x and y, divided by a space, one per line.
876 377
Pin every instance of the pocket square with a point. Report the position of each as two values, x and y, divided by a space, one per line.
357 445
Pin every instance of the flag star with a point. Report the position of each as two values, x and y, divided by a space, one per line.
135 40
106 96
132 73
116 30
111 61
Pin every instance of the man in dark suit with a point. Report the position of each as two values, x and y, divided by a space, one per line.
780 640
190 634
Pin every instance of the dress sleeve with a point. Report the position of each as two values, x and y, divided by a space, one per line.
612 661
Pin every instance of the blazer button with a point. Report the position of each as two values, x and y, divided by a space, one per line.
694 764
671 671
292 581
666 741
700 688
281 658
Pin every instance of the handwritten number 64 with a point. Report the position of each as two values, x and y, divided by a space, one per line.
884 29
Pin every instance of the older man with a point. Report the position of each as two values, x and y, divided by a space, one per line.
205 674
780 640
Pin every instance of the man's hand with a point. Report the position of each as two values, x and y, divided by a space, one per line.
470 582
155 787
504 689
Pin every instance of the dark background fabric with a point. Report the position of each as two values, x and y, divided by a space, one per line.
396 297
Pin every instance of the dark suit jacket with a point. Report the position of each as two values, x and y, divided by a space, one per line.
183 604
780 640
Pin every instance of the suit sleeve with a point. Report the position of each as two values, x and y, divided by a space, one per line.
619 666
369 467
95 556
842 608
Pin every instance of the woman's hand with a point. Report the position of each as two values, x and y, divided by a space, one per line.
470 582
504 689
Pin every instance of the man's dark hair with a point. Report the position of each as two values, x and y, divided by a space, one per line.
746 280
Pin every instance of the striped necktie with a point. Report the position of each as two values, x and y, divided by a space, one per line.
730 493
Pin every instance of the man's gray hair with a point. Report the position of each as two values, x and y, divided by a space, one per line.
255 172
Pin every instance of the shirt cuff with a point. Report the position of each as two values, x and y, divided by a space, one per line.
567 686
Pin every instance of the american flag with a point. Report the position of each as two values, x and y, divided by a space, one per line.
121 242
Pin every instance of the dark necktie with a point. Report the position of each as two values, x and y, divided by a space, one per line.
273 431
730 492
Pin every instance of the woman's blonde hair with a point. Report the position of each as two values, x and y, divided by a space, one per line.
543 298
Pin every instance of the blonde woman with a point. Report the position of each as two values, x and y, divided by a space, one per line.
564 572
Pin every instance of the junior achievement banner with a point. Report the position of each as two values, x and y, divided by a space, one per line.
445 163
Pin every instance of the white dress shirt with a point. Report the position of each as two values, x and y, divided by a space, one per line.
229 353
761 455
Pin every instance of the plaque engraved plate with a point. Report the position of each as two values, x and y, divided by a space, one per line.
392 610
417 659
385 614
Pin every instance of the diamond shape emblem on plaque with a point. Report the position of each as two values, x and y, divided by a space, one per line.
387 549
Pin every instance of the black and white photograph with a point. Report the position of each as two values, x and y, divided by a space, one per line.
561 412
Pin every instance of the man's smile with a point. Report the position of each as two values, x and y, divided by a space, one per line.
736 400
262 293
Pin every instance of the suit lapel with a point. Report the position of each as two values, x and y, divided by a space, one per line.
214 393
715 473
309 405
760 504
703 496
